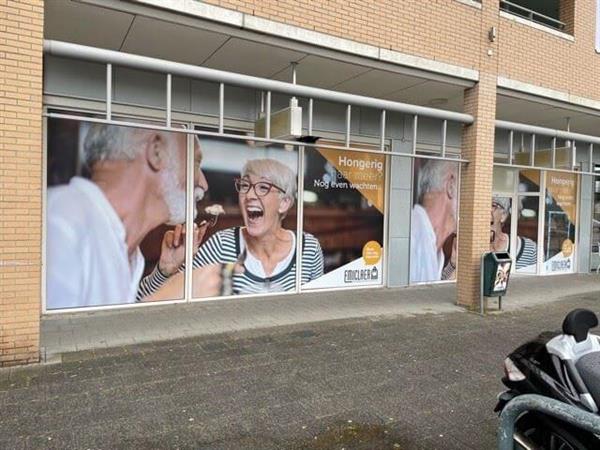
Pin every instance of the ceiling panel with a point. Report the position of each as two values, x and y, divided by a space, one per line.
518 110
377 83
85 24
430 93
159 39
252 58
321 72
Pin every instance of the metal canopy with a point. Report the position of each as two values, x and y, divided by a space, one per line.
70 50
571 138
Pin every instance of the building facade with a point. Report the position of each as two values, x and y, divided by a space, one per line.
307 145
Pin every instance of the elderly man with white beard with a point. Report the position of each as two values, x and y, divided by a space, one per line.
95 226
433 221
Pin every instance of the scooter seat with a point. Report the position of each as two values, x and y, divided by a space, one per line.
588 367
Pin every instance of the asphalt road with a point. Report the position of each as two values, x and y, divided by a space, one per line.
423 382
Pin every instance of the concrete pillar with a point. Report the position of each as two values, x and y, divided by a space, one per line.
21 41
476 176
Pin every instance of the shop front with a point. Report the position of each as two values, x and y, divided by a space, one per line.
265 218
534 218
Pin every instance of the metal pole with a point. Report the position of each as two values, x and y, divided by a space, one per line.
553 152
169 81
382 131
108 91
550 132
294 65
573 155
268 116
591 158
444 137
532 156
310 117
262 103
532 402
221 108
189 223
481 297
414 134
67 49
510 146
348 124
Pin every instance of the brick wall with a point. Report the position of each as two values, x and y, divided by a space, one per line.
444 30
540 58
21 34
476 176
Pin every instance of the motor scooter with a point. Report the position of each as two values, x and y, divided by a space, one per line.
564 366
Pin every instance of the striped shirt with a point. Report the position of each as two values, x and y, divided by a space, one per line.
527 255
227 246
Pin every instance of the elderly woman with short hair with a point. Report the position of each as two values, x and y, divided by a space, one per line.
260 256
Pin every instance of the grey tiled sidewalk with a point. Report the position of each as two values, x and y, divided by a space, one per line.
80 331
376 383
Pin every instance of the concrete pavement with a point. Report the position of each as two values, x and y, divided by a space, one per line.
410 381
103 329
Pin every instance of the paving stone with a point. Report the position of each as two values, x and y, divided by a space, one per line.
423 382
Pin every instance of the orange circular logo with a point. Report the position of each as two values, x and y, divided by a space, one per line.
371 252
567 247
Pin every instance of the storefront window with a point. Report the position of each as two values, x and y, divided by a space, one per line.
560 222
503 179
500 223
249 221
529 180
344 207
116 196
433 235
527 234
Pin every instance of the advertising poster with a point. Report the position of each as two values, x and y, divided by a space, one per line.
500 223
247 223
560 222
109 188
344 203
526 211
433 228
502 275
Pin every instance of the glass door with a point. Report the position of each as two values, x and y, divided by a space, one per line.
560 222
526 233
526 210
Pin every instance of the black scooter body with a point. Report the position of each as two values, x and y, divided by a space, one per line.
540 370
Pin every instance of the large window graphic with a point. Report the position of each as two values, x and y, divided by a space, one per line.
560 222
247 239
433 243
114 192
344 198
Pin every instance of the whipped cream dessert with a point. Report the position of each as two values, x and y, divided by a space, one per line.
214 210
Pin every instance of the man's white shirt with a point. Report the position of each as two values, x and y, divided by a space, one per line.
87 258
426 262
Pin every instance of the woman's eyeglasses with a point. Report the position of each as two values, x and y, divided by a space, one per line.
261 188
